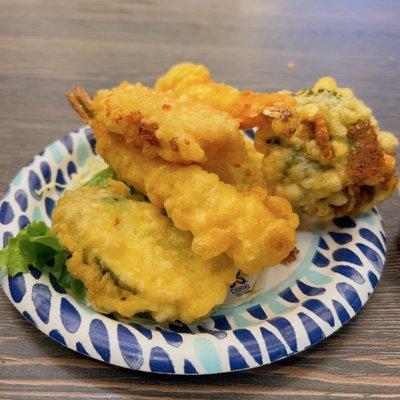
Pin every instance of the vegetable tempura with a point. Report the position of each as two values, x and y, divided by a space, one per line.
328 157
132 259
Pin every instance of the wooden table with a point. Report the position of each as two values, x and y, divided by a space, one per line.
46 46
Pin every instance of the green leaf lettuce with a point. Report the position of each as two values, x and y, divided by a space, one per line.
37 246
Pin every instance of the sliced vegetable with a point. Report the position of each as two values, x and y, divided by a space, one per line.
101 178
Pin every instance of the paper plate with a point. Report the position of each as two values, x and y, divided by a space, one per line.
267 318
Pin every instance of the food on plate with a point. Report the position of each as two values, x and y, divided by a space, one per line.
254 229
180 131
244 175
178 199
193 81
132 259
328 156
322 147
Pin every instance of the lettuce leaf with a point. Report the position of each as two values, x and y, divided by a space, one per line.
36 246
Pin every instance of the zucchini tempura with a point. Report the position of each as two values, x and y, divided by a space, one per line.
176 130
194 82
328 157
254 229
132 259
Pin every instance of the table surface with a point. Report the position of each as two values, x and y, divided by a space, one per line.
46 46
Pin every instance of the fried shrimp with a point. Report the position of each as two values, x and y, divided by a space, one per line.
194 82
244 175
328 158
132 259
181 131
254 229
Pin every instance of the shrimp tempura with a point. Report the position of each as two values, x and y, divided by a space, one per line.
181 131
254 229
194 82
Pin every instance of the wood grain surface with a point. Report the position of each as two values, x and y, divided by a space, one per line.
46 46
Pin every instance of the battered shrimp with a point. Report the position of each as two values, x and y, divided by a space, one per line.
194 82
254 229
181 131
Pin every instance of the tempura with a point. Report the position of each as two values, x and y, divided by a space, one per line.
181 131
328 156
132 259
194 82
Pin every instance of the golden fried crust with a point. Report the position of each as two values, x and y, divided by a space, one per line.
221 219
194 81
244 175
367 159
291 257
146 131
180 131
132 259
251 107
322 137
242 170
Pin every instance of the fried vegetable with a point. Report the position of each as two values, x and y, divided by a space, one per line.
328 158
132 259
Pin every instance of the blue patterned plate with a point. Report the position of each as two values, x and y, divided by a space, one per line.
266 318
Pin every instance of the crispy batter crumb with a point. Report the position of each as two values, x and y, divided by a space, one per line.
174 144
108 108
292 256
322 137
367 160
258 192
359 196
166 107
363 194
278 112
307 129
341 210
146 131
